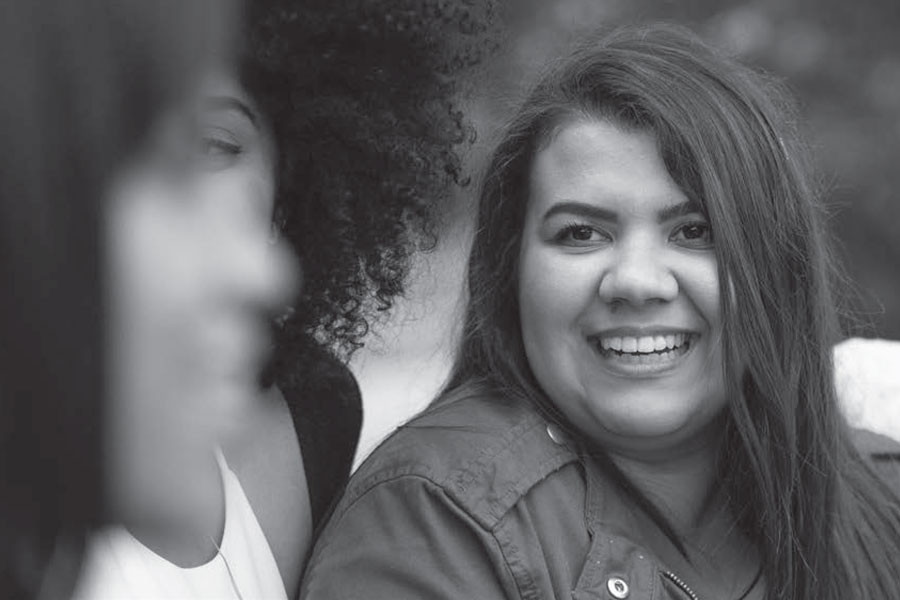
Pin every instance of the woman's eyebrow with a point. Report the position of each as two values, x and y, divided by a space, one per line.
231 103
674 211
582 209
592 211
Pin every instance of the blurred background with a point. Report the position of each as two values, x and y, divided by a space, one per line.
840 59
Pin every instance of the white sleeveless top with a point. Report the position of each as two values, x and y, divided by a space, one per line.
117 566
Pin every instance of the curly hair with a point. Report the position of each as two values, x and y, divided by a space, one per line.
360 96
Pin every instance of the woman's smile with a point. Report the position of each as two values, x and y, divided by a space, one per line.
647 354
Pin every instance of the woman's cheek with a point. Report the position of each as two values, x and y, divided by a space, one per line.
698 277
555 288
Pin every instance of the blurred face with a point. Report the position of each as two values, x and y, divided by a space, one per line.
618 291
194 277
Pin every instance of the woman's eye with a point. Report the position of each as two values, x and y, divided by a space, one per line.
217 147
578 234
215 152
213 146
695 235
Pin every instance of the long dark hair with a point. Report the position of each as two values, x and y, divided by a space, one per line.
826 526
82 82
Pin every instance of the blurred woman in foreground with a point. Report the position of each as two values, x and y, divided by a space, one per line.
334 133
643 402
82 85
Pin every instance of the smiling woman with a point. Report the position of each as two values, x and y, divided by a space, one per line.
83 83
194 280
610 281
643 402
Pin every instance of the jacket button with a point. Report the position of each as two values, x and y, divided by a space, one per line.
556 434
617 587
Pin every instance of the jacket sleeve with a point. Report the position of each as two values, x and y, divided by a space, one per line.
405 539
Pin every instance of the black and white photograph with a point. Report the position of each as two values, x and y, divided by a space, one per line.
450 299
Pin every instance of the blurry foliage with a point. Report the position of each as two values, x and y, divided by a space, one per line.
842 61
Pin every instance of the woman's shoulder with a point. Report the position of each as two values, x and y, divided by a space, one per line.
869 443
882 453
482 449
269 471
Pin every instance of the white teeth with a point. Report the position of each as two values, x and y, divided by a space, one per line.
651 345
614 343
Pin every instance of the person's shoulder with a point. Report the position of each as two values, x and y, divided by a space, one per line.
869 443
882 453
267 463
483 449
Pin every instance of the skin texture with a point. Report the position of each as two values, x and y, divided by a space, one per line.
583 274
194 276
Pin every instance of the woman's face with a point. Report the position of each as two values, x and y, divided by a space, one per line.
618 291
194 276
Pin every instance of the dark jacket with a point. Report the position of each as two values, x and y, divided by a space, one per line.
483 498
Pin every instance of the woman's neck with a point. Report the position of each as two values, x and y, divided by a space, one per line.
680 481
711 553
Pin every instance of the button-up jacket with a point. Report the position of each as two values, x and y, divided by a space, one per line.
483 498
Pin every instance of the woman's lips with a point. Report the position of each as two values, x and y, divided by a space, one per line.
645 354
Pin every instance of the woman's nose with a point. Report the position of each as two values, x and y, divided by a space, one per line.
637 275
256 270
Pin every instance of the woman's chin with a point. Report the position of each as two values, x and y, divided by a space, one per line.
654 425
